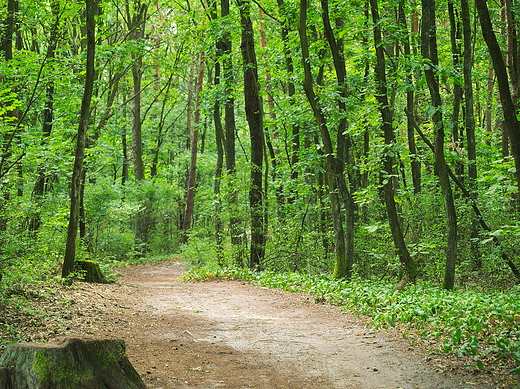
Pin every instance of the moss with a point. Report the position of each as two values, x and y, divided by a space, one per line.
63 372
91 271
104 358
72 364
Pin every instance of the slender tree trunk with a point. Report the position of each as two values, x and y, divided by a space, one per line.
190 197
340 260
6 42
291 90
219 140
410 106
189 108
472 202
137 137
429 51
160 128
6 45
79 155
512 60
235 224
508 106
343 140
42 182
389 159
253 107
455 36
489 102
469 113
469 120
270 133
124 154
136 26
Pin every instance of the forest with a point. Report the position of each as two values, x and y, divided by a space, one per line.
350 143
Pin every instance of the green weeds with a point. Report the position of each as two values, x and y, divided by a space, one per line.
485 325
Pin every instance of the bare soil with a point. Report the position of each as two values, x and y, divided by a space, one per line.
230 334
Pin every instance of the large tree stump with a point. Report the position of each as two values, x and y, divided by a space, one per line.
69 364
90 271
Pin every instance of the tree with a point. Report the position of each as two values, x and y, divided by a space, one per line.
340 260
79 154
429 52
190 198
410 105
254 112
506 99
389 154
343 140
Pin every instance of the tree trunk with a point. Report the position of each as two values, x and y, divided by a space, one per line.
455 36
79 154
6 43
410 106
124 155
469 120
469 113
190 197
42 182
219 140
512 60
135 24
340 255
70 364
137 136
508 106
291 90
343 140
429 51
236 230
389 157
253 107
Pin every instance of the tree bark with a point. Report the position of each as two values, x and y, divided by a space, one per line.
190 196
291 90
455 36
410 106
429 52
253 107
135 24
79 154
42 182
70 364
343 141
236 230
469 121
469 113
340 259
6 43
137 136
389 157
219 140
508 106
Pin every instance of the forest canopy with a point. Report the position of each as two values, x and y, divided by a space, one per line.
371 139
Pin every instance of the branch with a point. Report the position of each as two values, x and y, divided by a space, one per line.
469 198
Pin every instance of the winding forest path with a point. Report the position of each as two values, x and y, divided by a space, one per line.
229 334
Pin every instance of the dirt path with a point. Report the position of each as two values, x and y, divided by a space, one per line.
235 335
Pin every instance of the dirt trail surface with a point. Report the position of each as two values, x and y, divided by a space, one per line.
229 334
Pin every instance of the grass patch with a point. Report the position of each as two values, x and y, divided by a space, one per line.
483 324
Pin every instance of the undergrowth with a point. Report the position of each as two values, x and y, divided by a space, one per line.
483 324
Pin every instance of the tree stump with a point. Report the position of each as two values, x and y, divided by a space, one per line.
68 364
91 272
